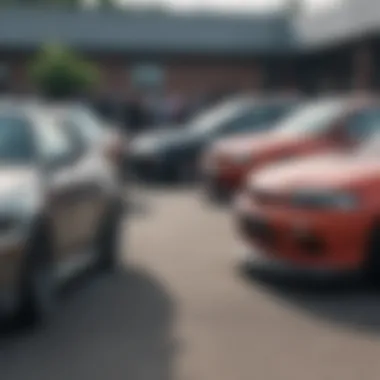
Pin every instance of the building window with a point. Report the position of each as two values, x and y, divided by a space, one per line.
148 76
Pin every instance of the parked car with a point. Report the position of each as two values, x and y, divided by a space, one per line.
173 153
318 126
321 213
60 207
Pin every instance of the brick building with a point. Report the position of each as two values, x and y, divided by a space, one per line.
180 53
191 54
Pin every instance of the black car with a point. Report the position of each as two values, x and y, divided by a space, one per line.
172 153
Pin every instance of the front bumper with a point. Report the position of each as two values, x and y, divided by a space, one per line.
259 264
307 239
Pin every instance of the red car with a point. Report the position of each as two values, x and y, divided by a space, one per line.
320 126
321 213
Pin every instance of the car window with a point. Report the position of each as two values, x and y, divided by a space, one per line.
54 143
363 124
16 140
256 118
314 118
218 115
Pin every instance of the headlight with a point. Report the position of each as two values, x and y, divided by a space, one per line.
19 207
329 200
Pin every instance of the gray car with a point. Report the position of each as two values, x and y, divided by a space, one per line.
60 207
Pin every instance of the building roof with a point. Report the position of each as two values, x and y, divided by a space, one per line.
350 20
134 32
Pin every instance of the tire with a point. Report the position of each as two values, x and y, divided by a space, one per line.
37 297
372 263
108 240
215 194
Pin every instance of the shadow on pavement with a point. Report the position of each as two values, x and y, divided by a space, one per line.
116 326
347 299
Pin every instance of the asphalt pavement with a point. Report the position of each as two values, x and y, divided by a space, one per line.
178 309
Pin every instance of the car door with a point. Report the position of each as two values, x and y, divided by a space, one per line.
94 175
60 161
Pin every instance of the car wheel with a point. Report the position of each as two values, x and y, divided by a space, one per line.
37 298
109 243
372 264
215 194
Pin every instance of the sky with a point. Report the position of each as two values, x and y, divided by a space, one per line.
232 5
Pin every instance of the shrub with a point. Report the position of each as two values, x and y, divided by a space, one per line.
60 73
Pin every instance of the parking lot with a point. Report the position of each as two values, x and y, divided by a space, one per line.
179 309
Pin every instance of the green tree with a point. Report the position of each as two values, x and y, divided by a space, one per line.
60 73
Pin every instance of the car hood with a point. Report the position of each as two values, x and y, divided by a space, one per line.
14 179
254 143
333 171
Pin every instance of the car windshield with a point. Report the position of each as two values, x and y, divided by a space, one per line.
210 119
90 126
16 142
312 118
271 113
364 124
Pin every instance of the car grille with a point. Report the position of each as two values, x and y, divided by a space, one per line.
310 245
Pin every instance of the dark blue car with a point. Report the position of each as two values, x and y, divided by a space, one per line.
171 153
